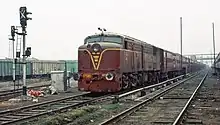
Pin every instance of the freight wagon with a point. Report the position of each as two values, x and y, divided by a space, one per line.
42 68
110 62
72 65
35 68
6 69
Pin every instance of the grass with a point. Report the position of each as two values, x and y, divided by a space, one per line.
63 118
81 116
105 111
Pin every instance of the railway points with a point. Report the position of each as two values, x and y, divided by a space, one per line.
65 103
106 103
35 110
161 108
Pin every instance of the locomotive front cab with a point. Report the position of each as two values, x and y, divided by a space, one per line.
99 63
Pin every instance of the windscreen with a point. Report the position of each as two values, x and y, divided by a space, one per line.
110 39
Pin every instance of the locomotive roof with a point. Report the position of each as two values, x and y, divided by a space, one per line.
118 34
128 37
133 39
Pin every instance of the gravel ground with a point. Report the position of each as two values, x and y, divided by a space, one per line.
205 109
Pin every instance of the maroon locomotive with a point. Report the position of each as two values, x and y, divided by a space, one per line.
110 62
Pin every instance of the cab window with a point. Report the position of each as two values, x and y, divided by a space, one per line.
110 39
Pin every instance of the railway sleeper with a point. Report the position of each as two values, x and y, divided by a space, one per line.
163 122
38 110
22 114
193 121
134 120
65 103
170 97
28 112
12 117
2 119
75 101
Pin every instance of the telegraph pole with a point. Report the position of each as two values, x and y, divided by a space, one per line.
23 21
181 52
213 28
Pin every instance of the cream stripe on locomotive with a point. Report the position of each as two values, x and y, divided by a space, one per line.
97 57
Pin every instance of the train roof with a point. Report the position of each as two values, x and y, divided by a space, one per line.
133 39
121 35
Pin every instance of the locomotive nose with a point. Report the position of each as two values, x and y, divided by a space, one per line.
96 47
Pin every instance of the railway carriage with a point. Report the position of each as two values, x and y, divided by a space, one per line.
110 62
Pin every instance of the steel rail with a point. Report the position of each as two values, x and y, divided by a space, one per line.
54 110
179 117
40 104
141 104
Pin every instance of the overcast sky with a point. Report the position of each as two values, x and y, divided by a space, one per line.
59 27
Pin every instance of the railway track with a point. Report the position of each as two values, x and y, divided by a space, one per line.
164 107
49 107
7 94
107 112
32 111
204 109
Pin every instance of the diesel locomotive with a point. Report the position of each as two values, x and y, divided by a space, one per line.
111 62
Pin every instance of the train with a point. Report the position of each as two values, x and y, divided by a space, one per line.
111 62
35 68
217 65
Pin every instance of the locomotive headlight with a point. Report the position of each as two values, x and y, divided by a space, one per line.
95 49
109 76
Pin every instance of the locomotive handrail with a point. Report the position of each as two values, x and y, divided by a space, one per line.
148 87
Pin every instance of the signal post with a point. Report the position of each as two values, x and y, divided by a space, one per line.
26 53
